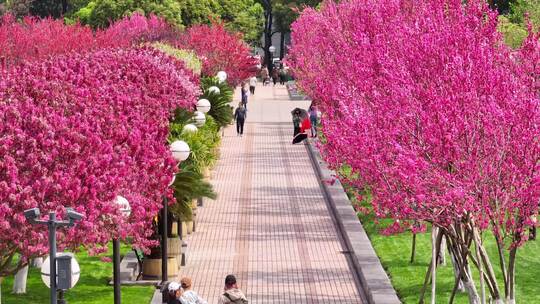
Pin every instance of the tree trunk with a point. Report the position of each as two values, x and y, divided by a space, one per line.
430 271
37 262
268 39
441 259
457 275
282 45
413 250
511 298
19 282
502 263
434 255
495 292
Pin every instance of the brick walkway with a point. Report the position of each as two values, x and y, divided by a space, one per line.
270 224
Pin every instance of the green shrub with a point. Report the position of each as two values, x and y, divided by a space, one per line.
188 57
513 33
220 110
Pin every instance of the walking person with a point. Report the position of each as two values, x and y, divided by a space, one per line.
244 92
313 117
265 76
240 118
275 75
231 293
189 296
252 84
282 76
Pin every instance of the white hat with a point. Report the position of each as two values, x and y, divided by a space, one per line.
173 286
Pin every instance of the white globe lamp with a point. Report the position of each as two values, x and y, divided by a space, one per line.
46 270
203 105
180 150
123 205
199 118
222 76
214 90
190 128
272 49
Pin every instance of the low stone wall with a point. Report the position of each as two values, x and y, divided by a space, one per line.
374 279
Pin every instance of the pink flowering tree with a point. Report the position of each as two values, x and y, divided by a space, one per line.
136 29
33 38
434 113
78 130
37 39
219 50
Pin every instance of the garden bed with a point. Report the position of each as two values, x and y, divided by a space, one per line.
93 286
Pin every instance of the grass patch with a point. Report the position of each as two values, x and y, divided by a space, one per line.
394 252
93 286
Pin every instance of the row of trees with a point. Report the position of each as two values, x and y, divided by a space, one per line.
436 116
244 16
86 117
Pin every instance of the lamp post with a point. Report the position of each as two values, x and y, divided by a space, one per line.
203 105
32 216
125 209
199 118
180 152
271 49
222 76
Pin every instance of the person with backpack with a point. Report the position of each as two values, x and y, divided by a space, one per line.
231 293
240 118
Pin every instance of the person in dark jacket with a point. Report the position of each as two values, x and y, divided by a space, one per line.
240 117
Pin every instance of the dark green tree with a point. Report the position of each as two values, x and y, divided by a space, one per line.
100 13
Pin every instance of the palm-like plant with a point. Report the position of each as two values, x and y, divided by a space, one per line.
187 186
220 110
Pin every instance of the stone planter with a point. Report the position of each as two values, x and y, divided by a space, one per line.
152 267
174 247
184 229
174 229
189 227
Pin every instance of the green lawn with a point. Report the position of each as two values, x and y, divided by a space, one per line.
395 251
92 287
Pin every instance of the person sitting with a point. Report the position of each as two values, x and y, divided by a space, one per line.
175 292
232 294
189 296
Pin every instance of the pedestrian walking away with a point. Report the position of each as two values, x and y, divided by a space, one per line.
231 293
282 76
244 92
189 296
240 117
265 76
275 75
252 85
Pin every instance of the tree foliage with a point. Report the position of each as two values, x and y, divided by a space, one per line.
80 129
219 50
437 117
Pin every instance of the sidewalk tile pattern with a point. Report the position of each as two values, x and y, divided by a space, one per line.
270 225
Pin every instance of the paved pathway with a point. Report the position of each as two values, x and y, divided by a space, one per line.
270 224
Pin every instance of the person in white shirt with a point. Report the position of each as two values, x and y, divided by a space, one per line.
189 296
252 84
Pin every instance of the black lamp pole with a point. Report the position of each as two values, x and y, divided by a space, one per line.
116 271
164 236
